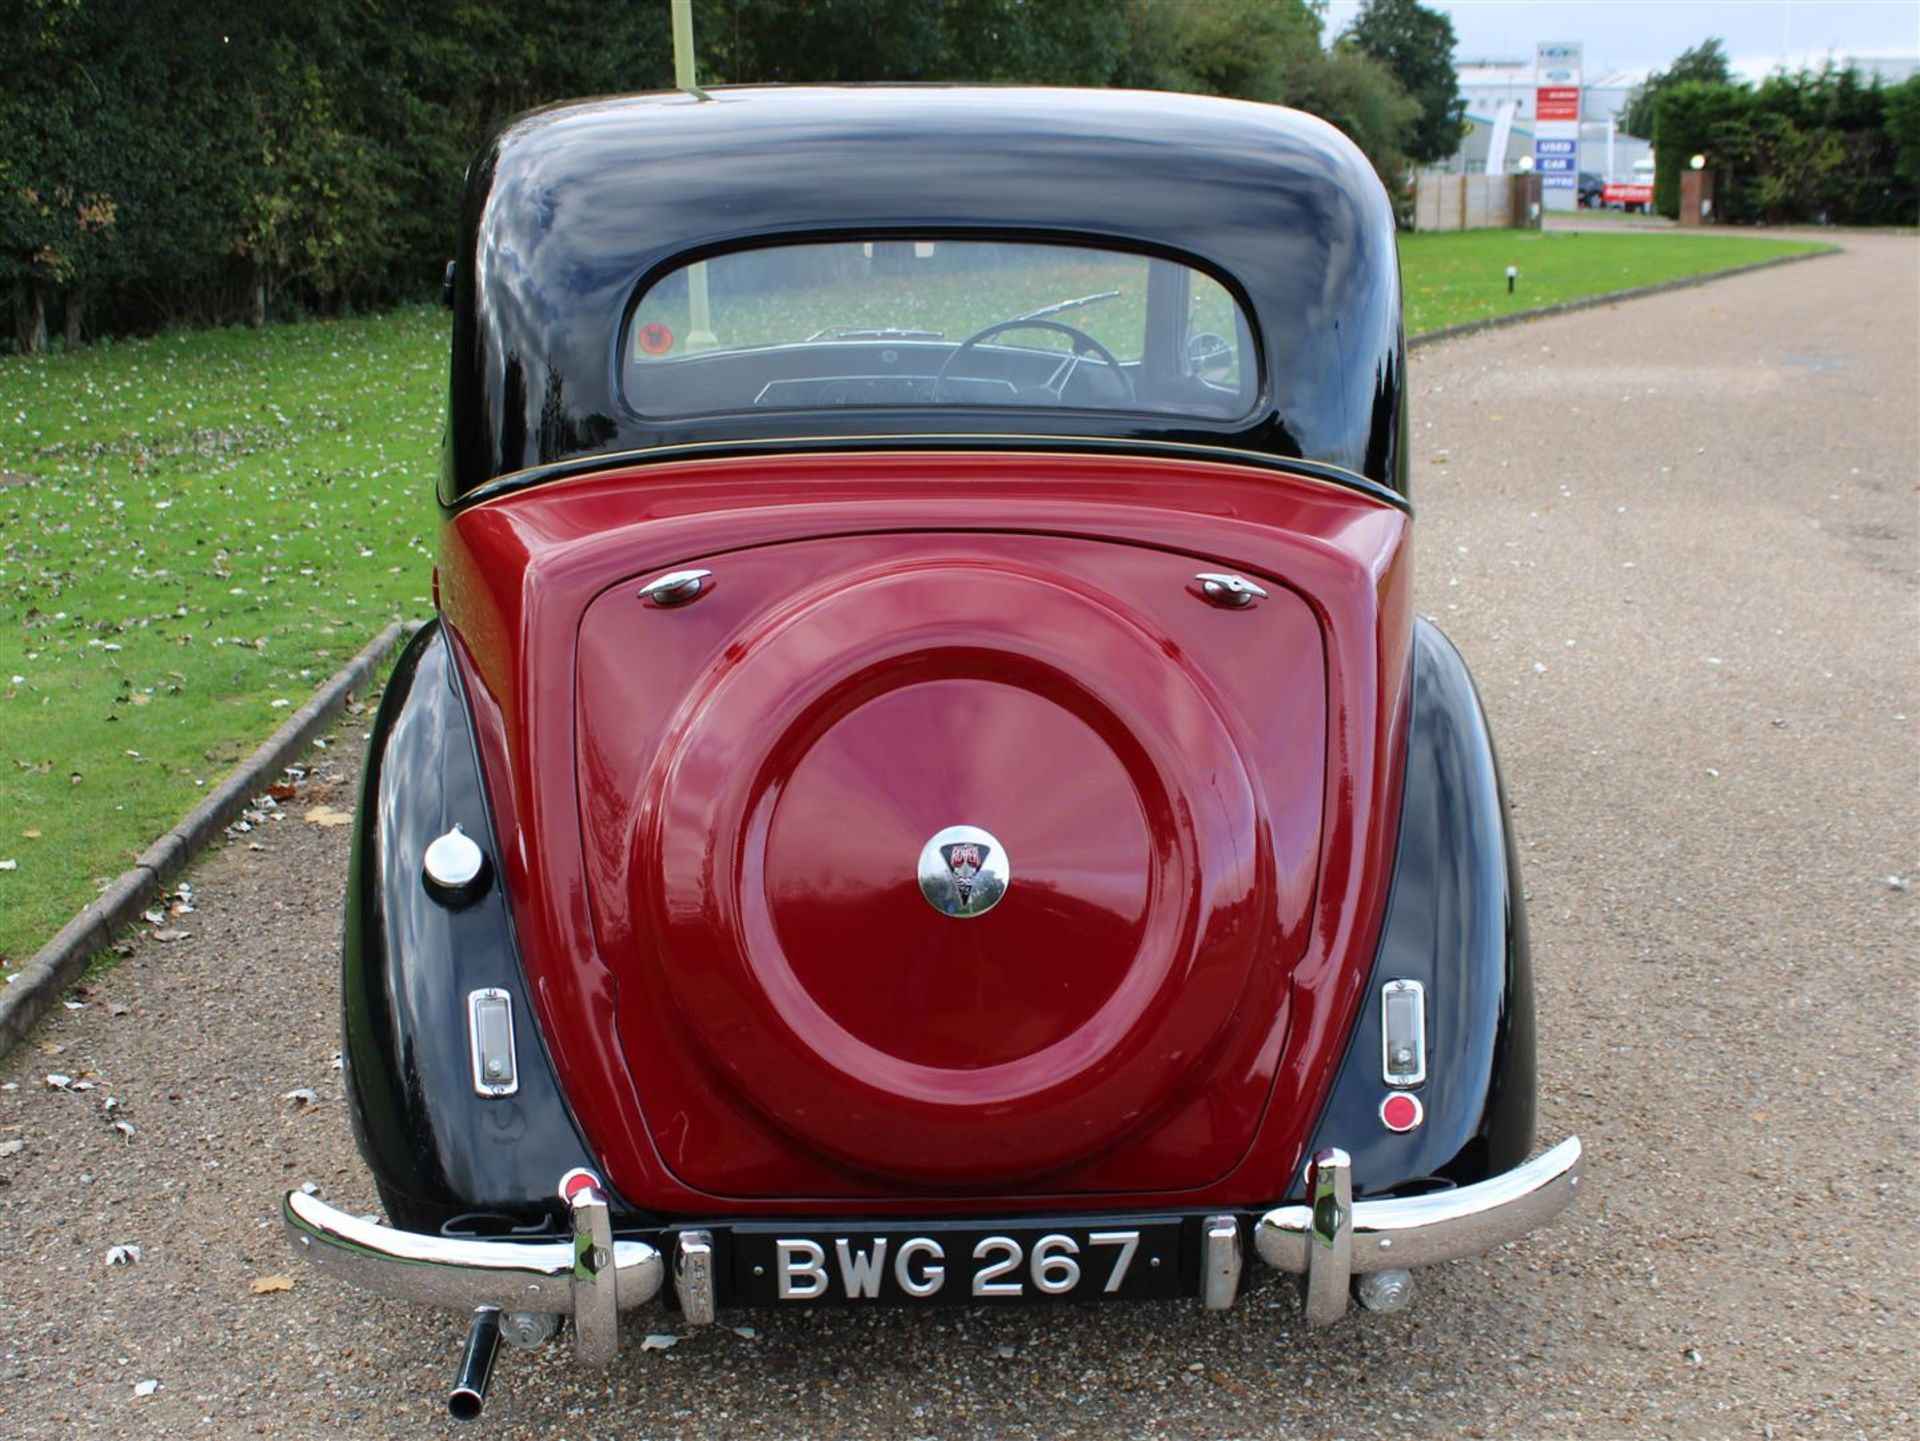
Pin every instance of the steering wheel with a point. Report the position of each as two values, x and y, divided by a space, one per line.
1056 383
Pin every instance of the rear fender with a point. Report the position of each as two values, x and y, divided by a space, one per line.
1456 923
409 963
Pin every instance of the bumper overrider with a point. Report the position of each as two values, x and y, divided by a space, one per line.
1331 1241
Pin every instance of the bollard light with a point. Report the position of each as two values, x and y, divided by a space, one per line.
1513 274
1699 162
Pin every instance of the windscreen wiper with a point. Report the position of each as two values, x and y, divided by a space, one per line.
1061 305
873 332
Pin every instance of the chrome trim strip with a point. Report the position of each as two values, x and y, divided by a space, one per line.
457 1272
1422 1230
1329 1237
1221 1262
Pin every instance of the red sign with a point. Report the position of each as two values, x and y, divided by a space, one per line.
655 338
1623 194
1556 102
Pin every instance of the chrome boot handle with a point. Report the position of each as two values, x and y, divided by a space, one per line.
675 588
1231 591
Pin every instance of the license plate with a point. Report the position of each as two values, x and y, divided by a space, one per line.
963 1262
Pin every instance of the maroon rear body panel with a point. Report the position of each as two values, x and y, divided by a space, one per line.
709 817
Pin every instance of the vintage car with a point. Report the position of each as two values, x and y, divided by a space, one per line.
926 784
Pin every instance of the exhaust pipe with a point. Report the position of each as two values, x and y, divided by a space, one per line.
476 1365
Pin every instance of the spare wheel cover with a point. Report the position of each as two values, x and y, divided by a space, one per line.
776 860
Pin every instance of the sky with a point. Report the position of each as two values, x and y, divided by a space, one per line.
1646 34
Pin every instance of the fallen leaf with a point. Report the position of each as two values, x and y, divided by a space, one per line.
267 1285
302 1097
125 1128
59 1082
328 816
31 835
9 865
281 791
660 1341
123 1255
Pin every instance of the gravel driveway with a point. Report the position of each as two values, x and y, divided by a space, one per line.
1676 539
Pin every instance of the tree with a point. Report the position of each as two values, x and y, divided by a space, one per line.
1695 117
1705 62
1415 45
1246 49
1357 94
1903 128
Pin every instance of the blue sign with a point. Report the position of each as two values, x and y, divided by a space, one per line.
1556 182
1553 147
1555 164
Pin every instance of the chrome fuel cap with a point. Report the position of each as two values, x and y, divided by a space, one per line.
963 871
455 866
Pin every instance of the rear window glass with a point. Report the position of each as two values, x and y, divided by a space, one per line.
892 323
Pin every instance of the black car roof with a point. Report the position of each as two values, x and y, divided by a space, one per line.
572 207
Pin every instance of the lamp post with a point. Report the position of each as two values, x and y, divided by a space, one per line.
699 316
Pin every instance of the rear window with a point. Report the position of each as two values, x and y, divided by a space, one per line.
902 323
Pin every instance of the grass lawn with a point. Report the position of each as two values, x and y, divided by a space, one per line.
197 529
1452 278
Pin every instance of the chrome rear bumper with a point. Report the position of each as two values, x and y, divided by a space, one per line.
592 1276
1333 1238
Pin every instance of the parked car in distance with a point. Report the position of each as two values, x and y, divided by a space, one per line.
926 785
1592 191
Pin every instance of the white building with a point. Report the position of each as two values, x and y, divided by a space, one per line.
1489 85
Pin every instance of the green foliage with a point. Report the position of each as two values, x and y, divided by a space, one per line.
179 160
1814 146
1248 49
1705 62
1355 92
206 161
1692 117
1902 104
1415 45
